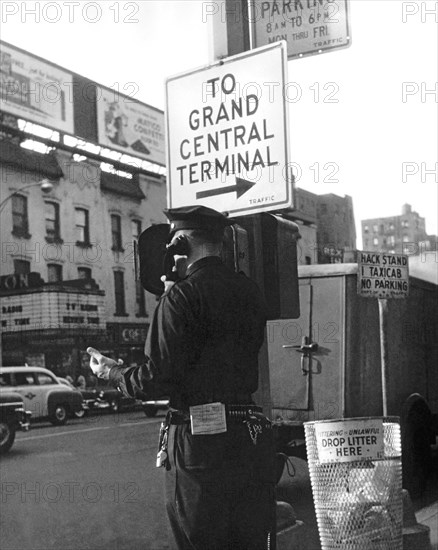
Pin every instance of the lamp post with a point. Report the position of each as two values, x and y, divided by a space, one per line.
46 186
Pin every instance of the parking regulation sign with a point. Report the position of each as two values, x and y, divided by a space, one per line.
309 26
382 275
227 134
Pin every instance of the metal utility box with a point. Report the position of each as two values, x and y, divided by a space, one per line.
326 363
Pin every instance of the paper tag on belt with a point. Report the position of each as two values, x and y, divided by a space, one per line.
208 419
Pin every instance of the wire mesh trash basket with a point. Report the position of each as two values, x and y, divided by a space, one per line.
356 476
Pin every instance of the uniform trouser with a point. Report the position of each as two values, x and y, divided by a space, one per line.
220 489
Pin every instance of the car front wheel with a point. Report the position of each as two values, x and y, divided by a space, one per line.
59 416
7 437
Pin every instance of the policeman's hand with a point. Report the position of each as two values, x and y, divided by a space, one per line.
167 283
100 364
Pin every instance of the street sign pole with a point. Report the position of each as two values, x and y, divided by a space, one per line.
229 28
383 276
384 356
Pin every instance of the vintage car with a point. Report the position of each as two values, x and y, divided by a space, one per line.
43 394
152 406
13 417
85 407
107 398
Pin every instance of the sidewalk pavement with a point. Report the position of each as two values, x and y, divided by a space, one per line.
297 492
429 516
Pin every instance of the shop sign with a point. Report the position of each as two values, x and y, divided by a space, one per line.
52 310
20 281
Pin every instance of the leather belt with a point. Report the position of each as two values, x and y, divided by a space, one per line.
233 412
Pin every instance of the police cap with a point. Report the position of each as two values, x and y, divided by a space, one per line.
196 217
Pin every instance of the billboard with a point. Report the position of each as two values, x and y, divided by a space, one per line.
35 90
129 126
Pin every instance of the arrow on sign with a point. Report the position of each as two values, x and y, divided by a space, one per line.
241 187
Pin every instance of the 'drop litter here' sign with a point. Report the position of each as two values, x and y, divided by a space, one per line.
227 134
350 440
382 275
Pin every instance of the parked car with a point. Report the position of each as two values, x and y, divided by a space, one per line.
85 407
42 393
115 400
13 417
107 398
152 406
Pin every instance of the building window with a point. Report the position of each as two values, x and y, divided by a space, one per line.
82 226
20 220
365 229
307 260
391 240
54 273
323 208
375 228
140 301
84 273
52 221
405 238
405 223
119 289
375 241
136 229
116 231
21 267
391 227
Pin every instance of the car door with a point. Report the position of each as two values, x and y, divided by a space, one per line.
25 383
46 384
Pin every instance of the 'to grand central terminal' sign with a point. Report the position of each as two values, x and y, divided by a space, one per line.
227 133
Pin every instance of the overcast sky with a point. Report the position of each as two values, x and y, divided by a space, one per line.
363 138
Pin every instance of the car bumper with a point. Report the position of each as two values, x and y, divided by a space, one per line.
24 422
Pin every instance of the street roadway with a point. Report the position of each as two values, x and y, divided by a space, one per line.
88 485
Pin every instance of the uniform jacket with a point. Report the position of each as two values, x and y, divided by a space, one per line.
203 341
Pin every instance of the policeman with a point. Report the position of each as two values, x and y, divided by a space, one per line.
201 350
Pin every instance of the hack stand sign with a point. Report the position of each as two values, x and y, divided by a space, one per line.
383 276
227 134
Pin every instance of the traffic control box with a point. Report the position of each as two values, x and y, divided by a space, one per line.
273 261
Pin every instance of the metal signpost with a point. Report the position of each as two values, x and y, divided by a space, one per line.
383 276
309 26
227 134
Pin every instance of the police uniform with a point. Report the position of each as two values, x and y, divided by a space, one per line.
202 347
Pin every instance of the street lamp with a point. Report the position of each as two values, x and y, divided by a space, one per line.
45 185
